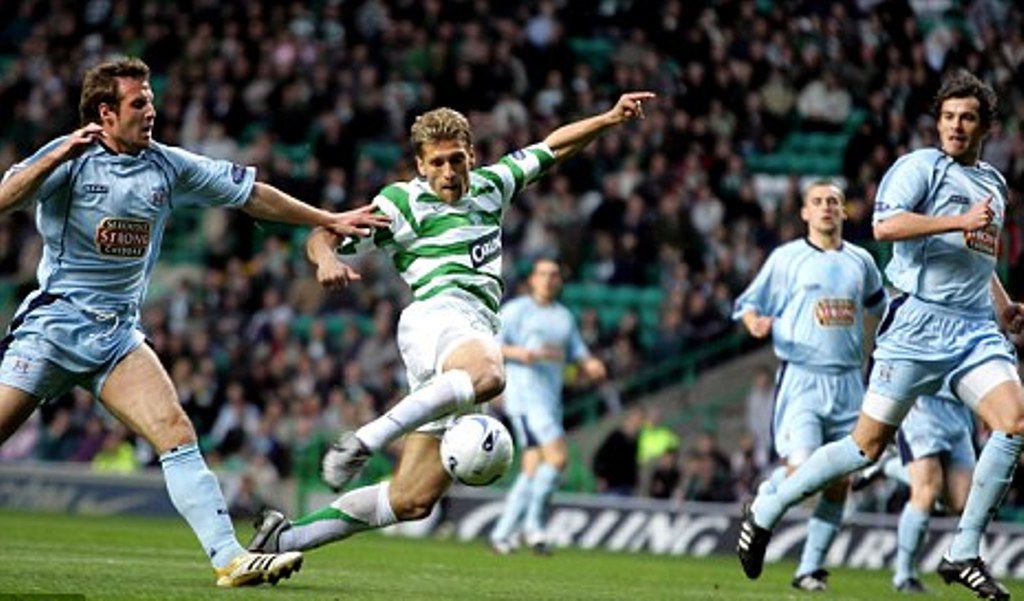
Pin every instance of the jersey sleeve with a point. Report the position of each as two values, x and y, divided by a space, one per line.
875 298
58 179
204 182
764 293
518 169
904 186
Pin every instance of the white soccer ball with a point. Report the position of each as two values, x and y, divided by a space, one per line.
476 450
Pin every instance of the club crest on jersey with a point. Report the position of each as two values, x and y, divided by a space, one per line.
984 240
158 197
882 372
123 237
485 249
835 312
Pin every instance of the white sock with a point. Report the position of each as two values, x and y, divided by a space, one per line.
444 394
362 509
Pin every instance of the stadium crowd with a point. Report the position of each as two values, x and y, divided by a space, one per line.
318 95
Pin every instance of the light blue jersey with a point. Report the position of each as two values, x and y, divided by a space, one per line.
943 326
817 298
101 217
951 269
535 390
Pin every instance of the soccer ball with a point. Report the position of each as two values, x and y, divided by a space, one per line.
476 450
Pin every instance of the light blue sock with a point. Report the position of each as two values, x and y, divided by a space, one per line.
909 536
895 470
992 476
196 495
515 507
545 481
771 484
823 466
821 531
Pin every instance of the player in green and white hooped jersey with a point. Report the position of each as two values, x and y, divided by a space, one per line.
445 241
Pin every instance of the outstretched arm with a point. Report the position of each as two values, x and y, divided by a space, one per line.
570 139
21 185
269 203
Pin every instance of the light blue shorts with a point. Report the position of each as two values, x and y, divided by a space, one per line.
53 345
536 428
921 345
813 407
936 426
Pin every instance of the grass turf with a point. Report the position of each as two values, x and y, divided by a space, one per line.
141 559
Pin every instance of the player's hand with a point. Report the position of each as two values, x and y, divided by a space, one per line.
979 216
357 222
1013 318
760 326
594 370
631 106
79 140
335 274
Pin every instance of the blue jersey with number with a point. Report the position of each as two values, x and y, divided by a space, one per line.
954 268
528 324
817 298
102 216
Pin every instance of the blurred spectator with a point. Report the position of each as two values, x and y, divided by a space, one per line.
655 438
747 465
708 475
57 442
824 104
116 455
616 461
666 476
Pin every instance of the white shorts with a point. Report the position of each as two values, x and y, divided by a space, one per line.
429 330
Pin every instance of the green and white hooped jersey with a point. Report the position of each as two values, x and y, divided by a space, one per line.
438 247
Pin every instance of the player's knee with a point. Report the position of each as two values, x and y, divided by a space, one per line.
414 506
873 449
172 430
1014 427
489 382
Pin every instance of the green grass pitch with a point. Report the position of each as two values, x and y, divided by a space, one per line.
140 559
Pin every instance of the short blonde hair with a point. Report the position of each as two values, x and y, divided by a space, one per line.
440 124
826 183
